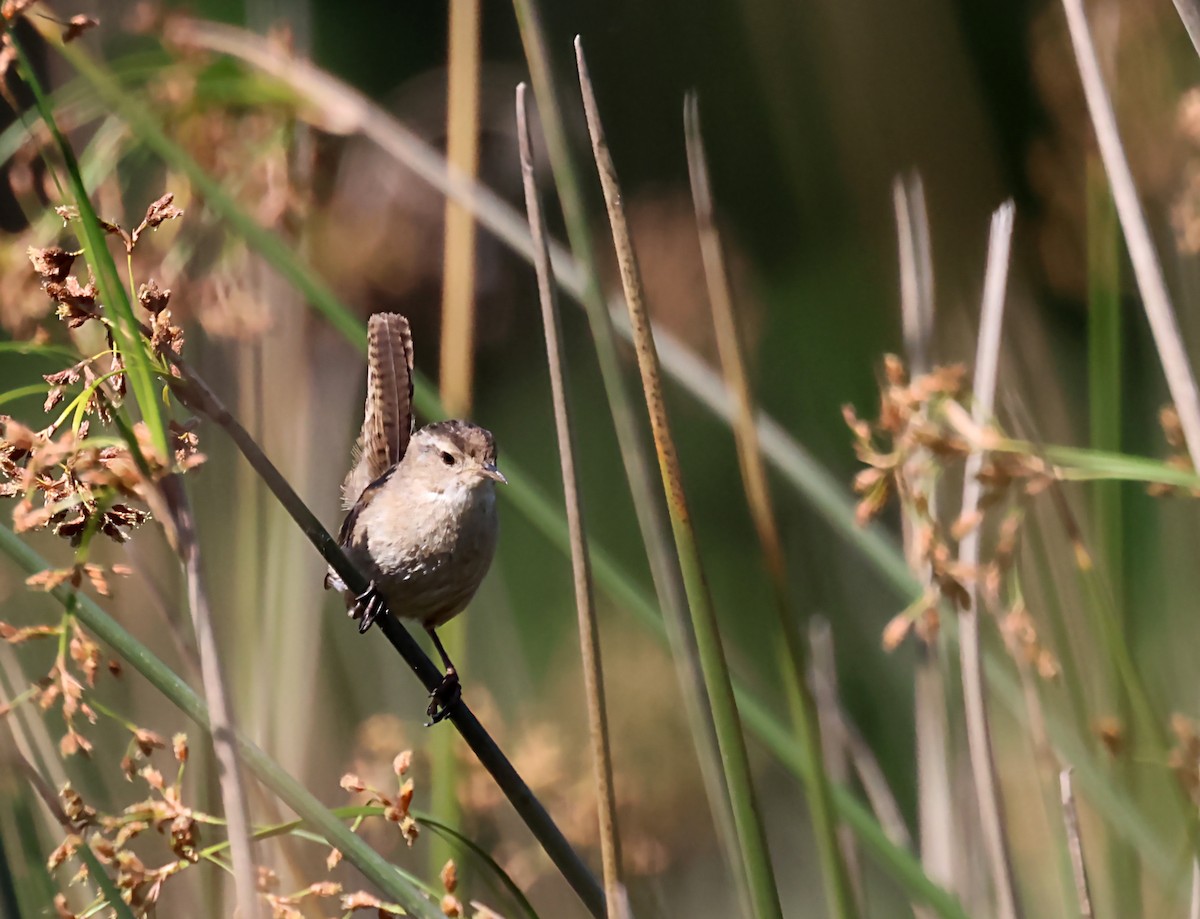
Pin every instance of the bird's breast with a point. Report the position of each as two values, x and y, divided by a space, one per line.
430 554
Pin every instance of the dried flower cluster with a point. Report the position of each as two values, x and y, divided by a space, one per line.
72 673
924 429
395 807
557 769
395 810
165 811
109 836
66 479
290 906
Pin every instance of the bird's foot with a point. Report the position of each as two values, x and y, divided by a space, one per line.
369 606
444 697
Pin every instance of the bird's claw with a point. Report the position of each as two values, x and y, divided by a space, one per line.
369 605
444 697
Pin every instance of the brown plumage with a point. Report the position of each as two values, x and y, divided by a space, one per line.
388 418
422 521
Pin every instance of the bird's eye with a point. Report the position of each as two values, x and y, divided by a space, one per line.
447 458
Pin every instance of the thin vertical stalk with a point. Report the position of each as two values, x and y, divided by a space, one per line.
916 270
584 286
862 758
1181 383
1075 844
835 750
935 804
181 533
979 739
751 841
794 665
458 258
1149 274
1105 388
835 746
1105 383
456 368
589 629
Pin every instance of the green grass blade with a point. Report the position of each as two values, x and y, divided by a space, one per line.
24 392
469 845
96 872
29 348
793 654
1105 383
137 358
584 286
751 839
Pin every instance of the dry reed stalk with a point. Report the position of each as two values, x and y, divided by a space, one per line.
179 524
1075 844
935 802
979 738
1189 13
1181 382
456 371
844 897
462 155
589 628
750 844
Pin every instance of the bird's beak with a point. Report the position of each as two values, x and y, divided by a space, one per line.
490 471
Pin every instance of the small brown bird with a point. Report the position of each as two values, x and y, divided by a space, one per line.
422 520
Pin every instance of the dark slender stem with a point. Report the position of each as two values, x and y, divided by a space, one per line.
194 393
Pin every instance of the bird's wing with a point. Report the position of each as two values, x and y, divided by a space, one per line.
388 419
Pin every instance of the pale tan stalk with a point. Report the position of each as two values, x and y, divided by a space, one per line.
458 259
935 801
1075 844
916 270
589 628
979 738
862 757
180 528
456 370
844 896
1189 13
750 846
1181 382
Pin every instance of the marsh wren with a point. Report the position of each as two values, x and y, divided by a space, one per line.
422 521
